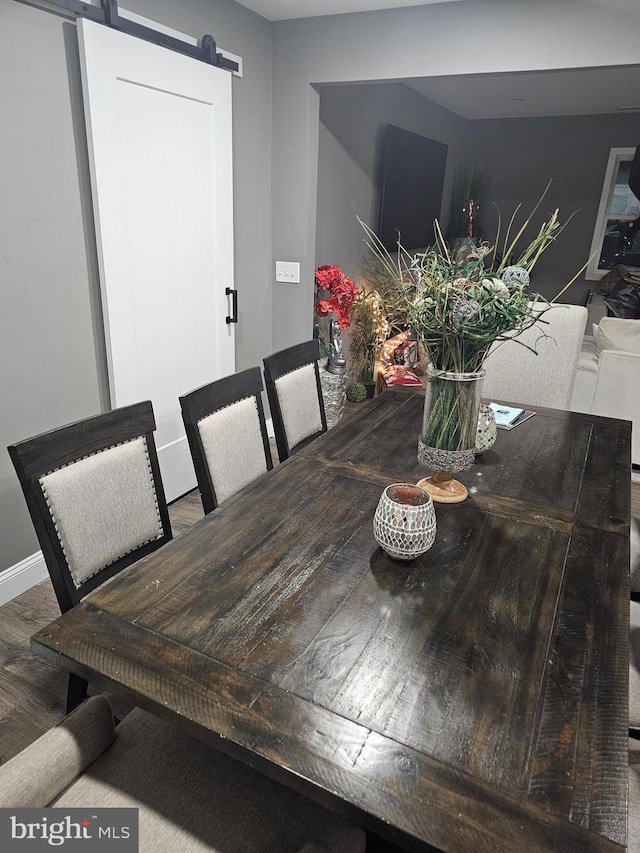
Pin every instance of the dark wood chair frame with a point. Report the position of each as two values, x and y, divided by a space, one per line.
204 401
38 456
277 365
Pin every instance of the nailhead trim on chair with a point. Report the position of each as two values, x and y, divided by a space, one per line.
87 456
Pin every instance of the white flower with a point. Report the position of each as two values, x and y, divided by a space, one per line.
497 287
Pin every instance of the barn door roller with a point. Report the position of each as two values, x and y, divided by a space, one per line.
109 15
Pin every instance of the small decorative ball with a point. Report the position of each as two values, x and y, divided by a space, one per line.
515 276
356 392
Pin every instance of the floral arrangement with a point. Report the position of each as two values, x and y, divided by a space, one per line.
342 294
458 305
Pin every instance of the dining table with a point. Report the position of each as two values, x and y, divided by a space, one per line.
472 699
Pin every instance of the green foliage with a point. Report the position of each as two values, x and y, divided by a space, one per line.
370 330
458 305
356 392
383 282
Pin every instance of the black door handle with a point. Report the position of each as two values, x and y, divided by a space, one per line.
229 291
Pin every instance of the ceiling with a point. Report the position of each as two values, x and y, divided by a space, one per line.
576 91
284 10
585 91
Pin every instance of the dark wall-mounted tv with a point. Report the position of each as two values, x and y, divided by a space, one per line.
412 181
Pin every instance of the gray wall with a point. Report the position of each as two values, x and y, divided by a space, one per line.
52 366
519 156
353 124
451 38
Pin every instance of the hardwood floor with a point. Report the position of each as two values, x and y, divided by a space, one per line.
33 693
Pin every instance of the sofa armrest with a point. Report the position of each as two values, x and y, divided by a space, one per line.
38 774
617 393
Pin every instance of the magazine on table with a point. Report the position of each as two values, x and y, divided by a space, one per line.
508 417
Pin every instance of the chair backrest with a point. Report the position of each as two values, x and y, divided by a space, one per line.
95 496
516 374
227 435
295 396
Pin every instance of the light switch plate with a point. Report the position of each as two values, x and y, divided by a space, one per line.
288 271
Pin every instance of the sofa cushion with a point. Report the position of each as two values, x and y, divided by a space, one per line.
616 334
588 355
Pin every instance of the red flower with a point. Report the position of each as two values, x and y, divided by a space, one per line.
342 290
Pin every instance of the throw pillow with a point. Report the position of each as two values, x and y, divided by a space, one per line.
618 335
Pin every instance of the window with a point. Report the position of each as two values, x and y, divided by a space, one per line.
616 239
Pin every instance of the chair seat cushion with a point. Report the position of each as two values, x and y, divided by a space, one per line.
191 797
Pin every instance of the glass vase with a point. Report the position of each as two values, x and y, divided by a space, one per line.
449 430
334 394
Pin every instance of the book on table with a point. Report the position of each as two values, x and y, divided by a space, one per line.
507 417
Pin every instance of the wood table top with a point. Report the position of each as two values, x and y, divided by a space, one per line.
475 699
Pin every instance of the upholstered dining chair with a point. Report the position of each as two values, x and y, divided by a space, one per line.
516 374
295 396
190 796
96 500
227 435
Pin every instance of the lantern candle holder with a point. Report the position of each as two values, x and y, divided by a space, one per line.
404 524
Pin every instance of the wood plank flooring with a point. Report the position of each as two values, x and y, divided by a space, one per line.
33 693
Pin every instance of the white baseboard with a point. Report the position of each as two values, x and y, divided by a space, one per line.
22 576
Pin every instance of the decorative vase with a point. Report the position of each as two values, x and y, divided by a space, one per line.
449 429
487 430
404 524
334 393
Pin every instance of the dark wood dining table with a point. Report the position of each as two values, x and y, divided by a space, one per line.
475 699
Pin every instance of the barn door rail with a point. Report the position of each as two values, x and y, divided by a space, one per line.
109 14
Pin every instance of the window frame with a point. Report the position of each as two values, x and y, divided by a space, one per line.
616 156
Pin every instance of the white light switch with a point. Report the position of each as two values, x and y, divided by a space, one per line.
288 271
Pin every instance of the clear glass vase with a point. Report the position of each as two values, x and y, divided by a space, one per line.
450 421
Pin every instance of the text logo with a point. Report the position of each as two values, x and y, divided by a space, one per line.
71 830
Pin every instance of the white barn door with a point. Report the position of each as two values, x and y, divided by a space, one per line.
159 134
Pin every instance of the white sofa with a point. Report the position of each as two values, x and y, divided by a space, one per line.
608 378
